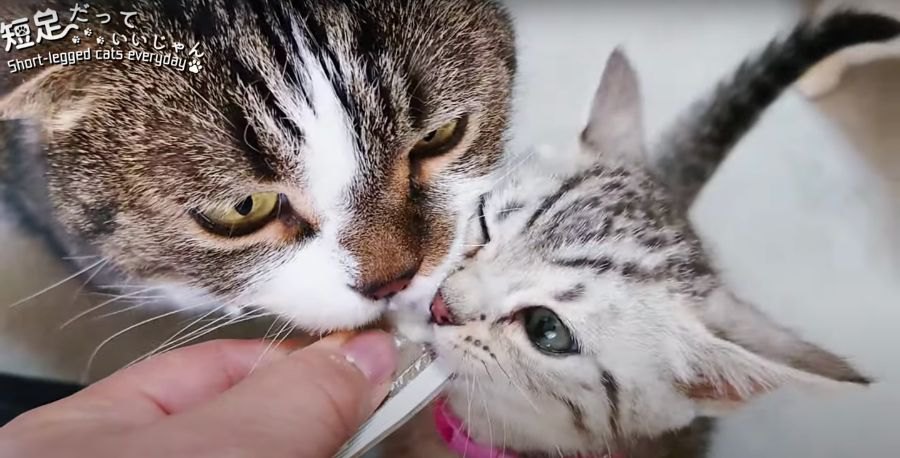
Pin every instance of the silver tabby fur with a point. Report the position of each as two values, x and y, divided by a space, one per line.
663 345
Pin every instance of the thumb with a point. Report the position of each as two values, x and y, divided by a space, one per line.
306 404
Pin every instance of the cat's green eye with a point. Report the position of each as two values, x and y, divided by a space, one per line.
247 216
440 140
547 332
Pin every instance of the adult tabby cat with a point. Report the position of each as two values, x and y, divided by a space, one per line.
324 158
589 320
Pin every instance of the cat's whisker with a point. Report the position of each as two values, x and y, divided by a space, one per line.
138 305
137 298
271 327
213 326
171 341
97 307
80 258
87 372
84 284
126 286
56 285
283 328
267 336
176 338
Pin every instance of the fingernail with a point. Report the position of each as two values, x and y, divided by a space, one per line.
374 354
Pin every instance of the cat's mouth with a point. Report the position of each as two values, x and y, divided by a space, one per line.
441 315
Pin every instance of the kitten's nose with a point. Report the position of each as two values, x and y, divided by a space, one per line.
440 313
386 290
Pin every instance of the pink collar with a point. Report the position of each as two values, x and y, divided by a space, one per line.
454 434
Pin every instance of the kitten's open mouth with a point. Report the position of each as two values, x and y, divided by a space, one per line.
441 315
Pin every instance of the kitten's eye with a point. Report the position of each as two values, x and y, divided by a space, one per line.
243 218
547 332
441 140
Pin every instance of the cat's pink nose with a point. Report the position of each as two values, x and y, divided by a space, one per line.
440 313
389 289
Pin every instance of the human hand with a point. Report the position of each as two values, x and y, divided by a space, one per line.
203 401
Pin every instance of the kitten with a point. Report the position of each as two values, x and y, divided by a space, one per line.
827 75
323 160
590 320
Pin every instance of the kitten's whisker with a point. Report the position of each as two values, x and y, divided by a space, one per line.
606 443
56 285
517 387
525 396
486 369
470 387
96 307
487 412
505 431
502 369
510 210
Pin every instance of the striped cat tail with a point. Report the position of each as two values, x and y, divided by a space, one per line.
690 153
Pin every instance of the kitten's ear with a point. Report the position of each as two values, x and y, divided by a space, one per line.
615 125
747 355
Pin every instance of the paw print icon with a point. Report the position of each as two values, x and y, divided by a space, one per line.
88 32
101 40
76 40
195 67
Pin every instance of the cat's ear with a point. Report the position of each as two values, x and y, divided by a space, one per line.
746 355
615 125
